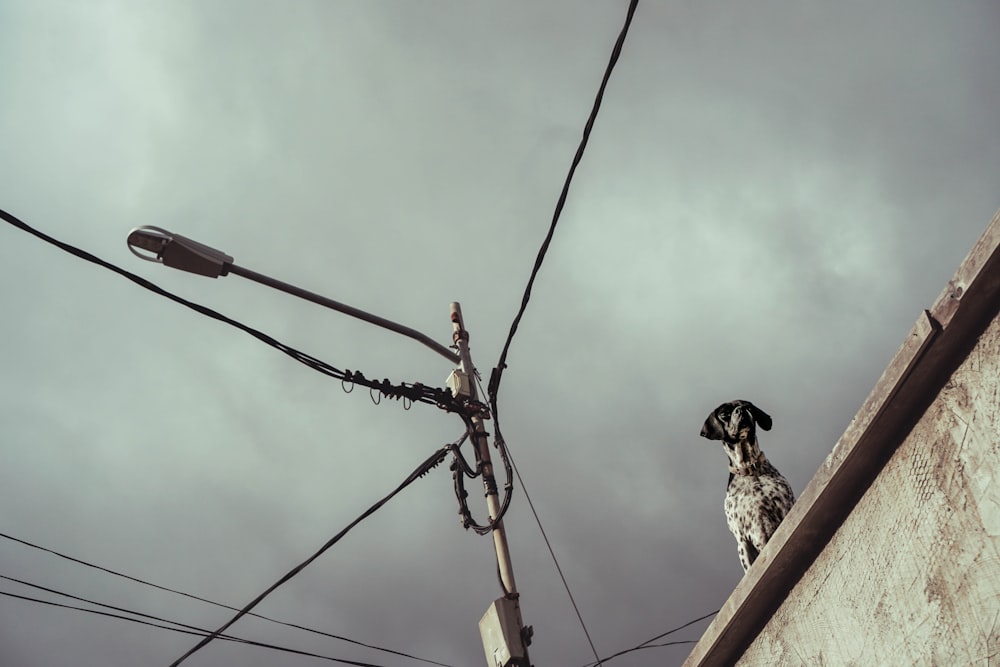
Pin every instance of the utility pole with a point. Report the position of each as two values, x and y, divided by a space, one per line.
505 639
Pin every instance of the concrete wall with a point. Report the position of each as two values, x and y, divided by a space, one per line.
891 554
912 576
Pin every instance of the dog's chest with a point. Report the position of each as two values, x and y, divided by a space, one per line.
752 499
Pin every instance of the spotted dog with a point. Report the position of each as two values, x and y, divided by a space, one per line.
757 497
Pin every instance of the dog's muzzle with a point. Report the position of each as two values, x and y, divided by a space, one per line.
738 421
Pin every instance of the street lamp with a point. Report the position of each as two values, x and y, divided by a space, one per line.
505 639
179 252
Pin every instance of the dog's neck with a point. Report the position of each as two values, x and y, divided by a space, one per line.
745 457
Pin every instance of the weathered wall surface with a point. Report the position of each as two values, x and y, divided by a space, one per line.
913 574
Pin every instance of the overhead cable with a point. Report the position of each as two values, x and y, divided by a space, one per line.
555 560
421 470
173 626
587 128
649 642
497 374
218 604
461 469
408 393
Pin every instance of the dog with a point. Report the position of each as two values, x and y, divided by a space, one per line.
757 496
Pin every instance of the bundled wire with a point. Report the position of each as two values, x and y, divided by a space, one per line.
431 462
164 624
408 393
174 591
461 469
497 374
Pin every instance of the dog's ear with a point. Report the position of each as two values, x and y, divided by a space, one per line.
762 418
713 429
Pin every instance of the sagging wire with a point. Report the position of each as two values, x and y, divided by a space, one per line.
588 127
497 375
461 469
214 603
173 626
414 393
428 464
649 642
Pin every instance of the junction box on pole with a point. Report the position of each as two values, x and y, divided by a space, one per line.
504 635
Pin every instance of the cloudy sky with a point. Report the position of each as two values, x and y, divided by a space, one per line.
771 195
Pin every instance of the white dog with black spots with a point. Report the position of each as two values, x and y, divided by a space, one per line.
758 496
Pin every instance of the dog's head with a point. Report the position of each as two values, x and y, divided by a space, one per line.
735 421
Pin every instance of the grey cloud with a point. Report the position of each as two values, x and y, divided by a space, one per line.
769 198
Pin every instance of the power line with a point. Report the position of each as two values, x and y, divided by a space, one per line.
494 380
173 626
680 627
415 392
588 127
421 470
555 560
640 648
497 375
217 604
99 604
649 642
552 552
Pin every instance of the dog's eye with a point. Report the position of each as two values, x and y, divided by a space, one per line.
724 414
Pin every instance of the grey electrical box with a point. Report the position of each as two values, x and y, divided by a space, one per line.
500 628
458 382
